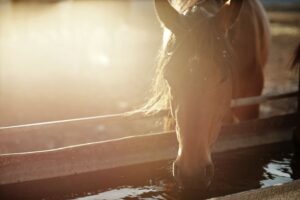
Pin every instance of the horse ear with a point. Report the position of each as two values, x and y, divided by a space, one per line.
167 15
228 14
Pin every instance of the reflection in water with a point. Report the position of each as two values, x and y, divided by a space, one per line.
236 171
128 192
277 172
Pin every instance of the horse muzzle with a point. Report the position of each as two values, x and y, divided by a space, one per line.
193 179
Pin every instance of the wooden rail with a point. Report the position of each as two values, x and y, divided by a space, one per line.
21 167
261 99
138 115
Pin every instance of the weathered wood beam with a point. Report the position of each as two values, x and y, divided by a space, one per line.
289 191
138 115
21 167
261 99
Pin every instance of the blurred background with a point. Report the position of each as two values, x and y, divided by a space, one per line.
62 59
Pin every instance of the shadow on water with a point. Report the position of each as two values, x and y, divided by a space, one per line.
235 171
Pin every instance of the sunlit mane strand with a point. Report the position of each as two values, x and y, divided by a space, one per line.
216 49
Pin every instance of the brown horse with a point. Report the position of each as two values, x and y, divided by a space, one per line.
213 51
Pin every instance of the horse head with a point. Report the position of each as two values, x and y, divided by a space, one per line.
196 69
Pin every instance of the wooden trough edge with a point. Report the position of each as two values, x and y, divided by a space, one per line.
289 191
30 166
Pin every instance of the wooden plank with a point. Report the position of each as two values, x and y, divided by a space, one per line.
20 167
289 191
258 125
100 118
261 99
138 115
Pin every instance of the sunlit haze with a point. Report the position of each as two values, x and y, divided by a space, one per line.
64 59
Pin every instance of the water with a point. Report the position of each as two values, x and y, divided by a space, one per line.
236 171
